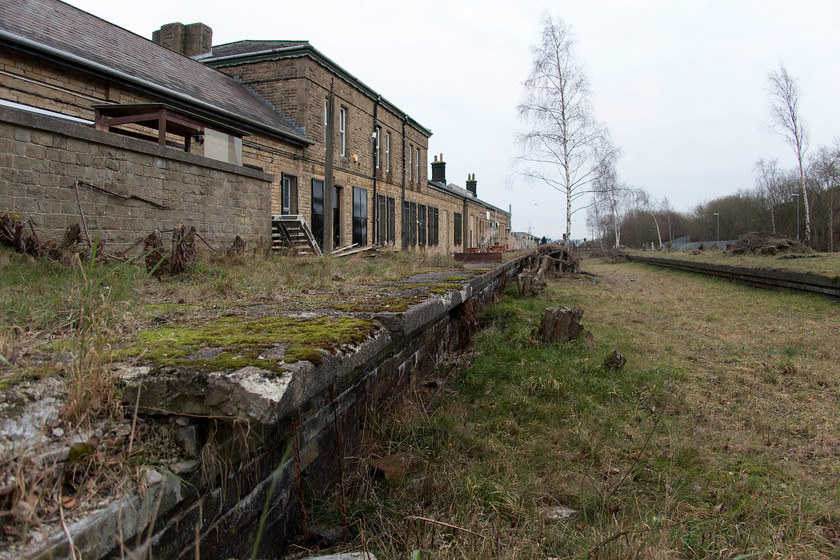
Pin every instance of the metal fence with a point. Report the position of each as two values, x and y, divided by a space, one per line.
686 244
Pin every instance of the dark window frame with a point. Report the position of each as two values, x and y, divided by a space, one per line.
360 216
288 195
316 213
422 224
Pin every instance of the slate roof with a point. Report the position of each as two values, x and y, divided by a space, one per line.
230 53
250 47
57 30
465 194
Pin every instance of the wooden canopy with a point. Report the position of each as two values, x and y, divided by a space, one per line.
157 116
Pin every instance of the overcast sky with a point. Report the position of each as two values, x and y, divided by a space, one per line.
681 84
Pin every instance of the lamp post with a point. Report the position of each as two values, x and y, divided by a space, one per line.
797 214
718 229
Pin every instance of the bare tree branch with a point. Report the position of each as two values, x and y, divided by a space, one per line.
784 96
558 148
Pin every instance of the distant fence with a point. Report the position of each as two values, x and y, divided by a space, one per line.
690 245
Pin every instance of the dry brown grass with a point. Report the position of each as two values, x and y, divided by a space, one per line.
720 439
57 326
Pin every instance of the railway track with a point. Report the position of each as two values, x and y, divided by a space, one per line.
756 277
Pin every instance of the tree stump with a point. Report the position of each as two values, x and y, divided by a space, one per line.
72 236
238 247
156 261
531 281
561 323
183 249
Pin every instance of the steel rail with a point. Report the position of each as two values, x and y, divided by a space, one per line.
755 277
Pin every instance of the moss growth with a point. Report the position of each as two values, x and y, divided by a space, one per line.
456 278
235 342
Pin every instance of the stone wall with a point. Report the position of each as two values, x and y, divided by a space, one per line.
128 187
307 448
299 87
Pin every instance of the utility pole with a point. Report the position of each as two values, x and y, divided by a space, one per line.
830 217
718 229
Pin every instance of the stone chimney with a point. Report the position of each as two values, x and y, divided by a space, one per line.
471 184
439 170
190 40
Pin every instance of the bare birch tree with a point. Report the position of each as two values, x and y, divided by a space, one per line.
769 181
824 171
594 221
610 196
562 136
669 212
788 122
645 204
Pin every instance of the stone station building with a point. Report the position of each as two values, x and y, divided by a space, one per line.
144 134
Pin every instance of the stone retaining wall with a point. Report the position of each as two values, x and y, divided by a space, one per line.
306 443
139 185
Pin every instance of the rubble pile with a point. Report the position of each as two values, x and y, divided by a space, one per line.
757 243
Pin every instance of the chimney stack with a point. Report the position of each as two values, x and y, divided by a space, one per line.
471 184
190 40
439 170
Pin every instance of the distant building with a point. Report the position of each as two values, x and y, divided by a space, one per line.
523 240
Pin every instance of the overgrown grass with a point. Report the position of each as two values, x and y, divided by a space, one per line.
719 439
289 280
63 320
45 297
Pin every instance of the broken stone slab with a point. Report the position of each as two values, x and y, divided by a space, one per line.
250 393
558 513
418 316
99 532
408 322
29 412
561 323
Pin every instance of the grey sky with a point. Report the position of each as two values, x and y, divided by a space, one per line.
681 84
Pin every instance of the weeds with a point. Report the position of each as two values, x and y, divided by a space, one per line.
718 439
59 324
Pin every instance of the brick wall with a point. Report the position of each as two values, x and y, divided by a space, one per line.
42 158
40 83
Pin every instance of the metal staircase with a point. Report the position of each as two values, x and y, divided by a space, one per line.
291 231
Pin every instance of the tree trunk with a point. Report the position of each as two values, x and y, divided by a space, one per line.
805 203
616 227
658 233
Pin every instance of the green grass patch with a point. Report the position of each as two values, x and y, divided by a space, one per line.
718 439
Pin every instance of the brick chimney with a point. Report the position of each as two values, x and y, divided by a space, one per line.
439 170
471 184
190 40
